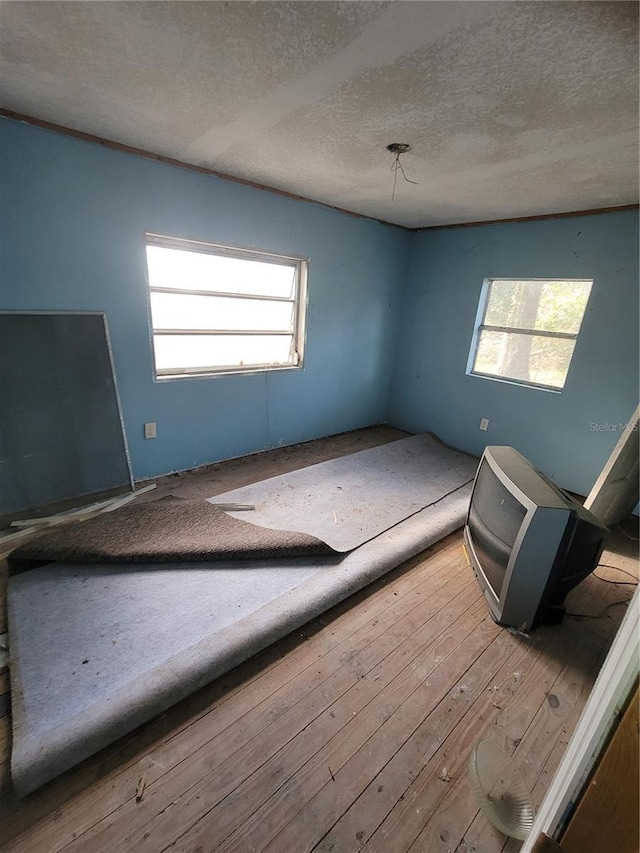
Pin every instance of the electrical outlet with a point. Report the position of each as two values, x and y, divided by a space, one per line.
150 430
484 424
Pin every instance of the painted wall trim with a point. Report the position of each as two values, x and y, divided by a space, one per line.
181 164
539 217
204 170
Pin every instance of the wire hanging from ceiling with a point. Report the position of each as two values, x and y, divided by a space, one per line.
397 149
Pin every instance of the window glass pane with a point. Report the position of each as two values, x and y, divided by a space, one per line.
550 306
562 306
216 351
177 311
524 358
189 270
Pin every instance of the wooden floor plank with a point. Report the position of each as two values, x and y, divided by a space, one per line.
510 726
332 675
259 698
408 798
174 806
545 726
548 770
584 665
539 777
331 738
510 693
401 703
398 759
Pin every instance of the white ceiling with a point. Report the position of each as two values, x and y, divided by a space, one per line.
512 108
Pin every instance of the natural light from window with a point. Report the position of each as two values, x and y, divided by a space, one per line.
218 310
528 328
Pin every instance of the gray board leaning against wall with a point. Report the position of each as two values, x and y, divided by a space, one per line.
61 431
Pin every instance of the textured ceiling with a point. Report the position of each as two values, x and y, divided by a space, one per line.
511 108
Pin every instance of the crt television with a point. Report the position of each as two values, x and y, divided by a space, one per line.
527 541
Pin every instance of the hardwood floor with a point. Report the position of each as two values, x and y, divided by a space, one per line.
354 732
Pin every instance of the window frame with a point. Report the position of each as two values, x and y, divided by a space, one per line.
298 301
480 326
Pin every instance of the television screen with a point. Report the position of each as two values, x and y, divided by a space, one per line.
494 536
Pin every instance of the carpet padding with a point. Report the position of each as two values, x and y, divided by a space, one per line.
350 500
169 530
96 650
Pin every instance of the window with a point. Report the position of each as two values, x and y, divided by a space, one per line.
216 309
526 330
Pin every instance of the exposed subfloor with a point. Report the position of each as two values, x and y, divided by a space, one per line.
353 732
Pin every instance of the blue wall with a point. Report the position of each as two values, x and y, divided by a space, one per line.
72 220
566 434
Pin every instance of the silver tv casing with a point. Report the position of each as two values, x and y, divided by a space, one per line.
549 517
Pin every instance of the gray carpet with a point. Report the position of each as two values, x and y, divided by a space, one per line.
95 650
169 530
347 501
